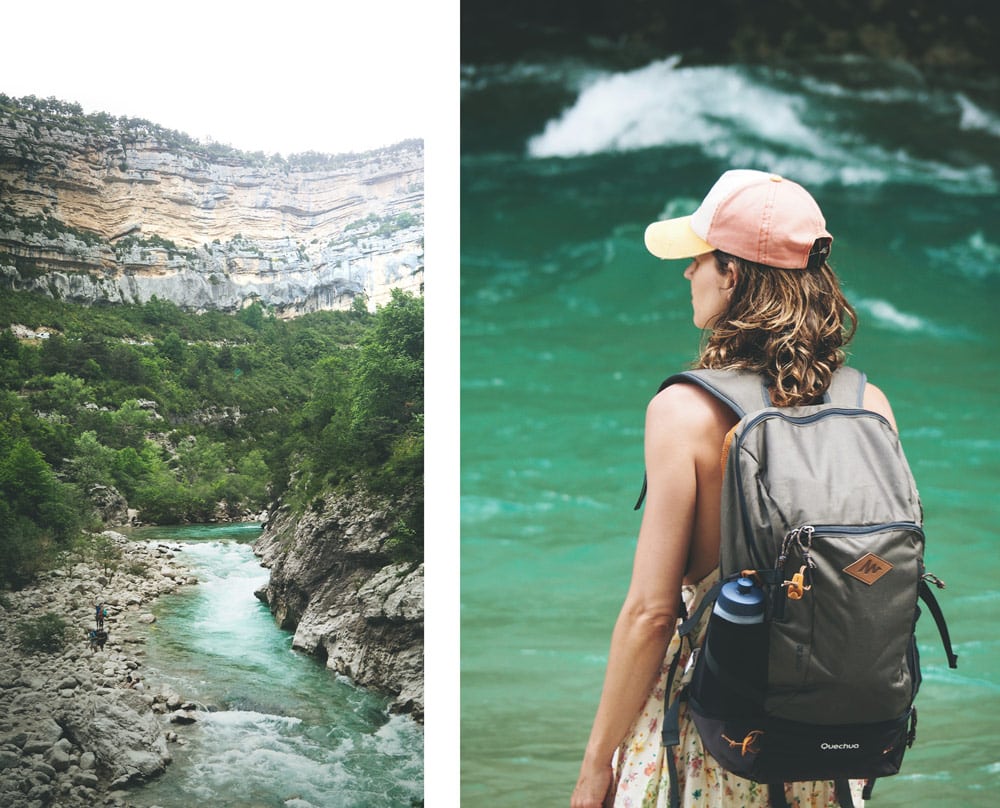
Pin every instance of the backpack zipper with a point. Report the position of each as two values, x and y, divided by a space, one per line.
860 530
813 416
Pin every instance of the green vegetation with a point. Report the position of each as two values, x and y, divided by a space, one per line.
181 412
47 633
35 114
377 225
124 245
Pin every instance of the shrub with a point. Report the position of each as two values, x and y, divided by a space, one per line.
405 544
47 633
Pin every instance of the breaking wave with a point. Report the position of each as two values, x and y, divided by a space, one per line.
814 130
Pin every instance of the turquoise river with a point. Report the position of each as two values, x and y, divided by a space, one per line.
278 728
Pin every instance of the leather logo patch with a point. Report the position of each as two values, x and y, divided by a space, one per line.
868 569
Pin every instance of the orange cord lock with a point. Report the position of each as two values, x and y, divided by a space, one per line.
797 586
747 744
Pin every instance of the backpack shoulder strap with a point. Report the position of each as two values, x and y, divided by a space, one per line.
744 391
847 388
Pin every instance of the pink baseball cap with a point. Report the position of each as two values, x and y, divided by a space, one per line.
753 215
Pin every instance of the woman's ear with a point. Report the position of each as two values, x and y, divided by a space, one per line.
730 275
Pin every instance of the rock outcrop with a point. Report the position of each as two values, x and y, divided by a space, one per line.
78 724
99 210
333 582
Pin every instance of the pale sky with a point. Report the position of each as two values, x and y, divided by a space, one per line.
288 76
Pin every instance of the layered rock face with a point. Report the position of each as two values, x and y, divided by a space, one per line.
101 210
333 583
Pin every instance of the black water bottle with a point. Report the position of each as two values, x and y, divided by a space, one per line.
731 672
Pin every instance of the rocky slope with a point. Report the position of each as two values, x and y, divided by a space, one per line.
78 726
333 583
95 209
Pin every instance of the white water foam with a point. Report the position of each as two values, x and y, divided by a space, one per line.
976 257
975 118
886 315
748 118
663 104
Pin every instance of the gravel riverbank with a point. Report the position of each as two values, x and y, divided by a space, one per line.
78 726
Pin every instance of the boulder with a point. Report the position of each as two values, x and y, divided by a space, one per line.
123 737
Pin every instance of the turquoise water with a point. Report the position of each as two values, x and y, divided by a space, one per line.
568 326
281 729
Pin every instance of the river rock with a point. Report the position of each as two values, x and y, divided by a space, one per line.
126 740
88 779
73 724
58 756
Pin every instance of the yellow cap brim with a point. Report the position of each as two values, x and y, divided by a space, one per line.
674 238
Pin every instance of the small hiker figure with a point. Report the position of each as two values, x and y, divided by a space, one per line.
101 636
99 614
92 637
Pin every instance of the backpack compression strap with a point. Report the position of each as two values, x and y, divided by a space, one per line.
744 391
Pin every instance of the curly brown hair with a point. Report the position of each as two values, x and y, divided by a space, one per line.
789 324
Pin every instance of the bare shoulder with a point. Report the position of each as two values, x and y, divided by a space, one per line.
690 408
876 401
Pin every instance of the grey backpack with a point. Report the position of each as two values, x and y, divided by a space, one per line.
822 537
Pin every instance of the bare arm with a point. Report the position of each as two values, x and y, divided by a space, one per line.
876 401
679 426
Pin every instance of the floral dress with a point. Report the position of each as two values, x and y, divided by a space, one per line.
641 773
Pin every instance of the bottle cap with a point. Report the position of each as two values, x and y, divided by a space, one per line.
740 601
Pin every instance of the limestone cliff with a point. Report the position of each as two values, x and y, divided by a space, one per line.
95 209
333 582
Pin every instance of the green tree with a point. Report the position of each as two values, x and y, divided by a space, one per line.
23 547
129 426
92 462
159 312
10 360
254 478
253 315
106 553
172 347
131 470
64 394
38 513
388 378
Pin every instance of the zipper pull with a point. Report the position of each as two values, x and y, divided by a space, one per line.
931 578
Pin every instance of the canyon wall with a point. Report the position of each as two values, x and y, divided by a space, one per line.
95 210
335 584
